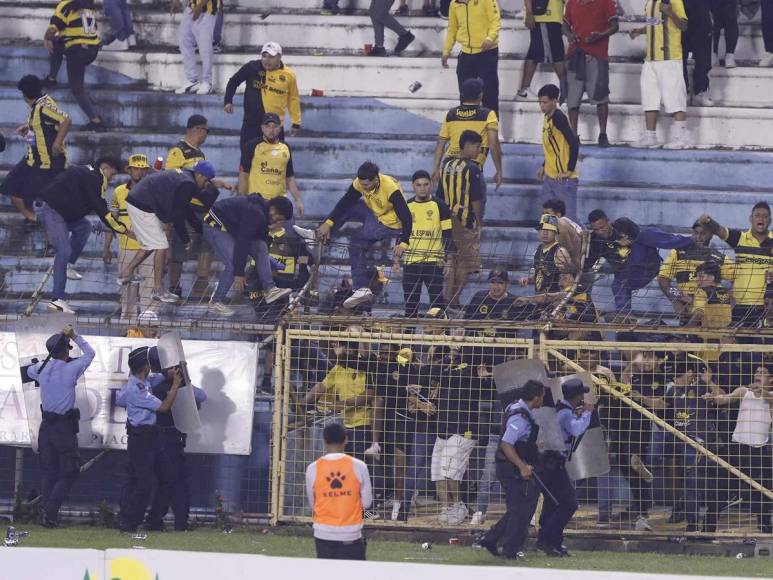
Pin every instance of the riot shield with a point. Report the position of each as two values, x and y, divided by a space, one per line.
31 336
514 373
184 409
550 437
589 456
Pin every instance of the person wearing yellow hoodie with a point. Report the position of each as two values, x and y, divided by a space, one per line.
475 24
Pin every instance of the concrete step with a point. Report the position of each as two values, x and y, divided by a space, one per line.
330 157
367 76
249 30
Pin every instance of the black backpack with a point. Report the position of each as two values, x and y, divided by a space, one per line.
539 7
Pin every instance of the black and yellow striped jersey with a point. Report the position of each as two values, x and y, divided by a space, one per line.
289 250
468 118
560 146
580 307
183 156
431 231
715 305
680 266
43 123
460 186
268 166
546 272
664 40
752 261
211 7
76 26
118 207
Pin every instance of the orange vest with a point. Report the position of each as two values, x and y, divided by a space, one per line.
337 493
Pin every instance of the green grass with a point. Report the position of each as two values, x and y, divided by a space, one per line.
252 541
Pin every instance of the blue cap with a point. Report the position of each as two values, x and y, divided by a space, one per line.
205 168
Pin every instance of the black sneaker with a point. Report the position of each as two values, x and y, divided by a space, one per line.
603 140
95 127
482 543
330 10
403 42
378 51
709 523
402 10
49 83
177 291
550 550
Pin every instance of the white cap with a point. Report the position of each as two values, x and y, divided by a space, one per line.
271 48
147 317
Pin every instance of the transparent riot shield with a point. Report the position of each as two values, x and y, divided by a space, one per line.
589 456
184 409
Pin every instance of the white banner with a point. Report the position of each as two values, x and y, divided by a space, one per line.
226 370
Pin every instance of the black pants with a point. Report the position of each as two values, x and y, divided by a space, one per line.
747 316
78 58
172 489
484 66
724 13
332 550
767 24
697 40
251 130
142 447
641 491
416 275
555 516
55 58
757 463
59 463
513 527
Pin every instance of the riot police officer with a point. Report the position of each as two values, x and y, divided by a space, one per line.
560 501
58 436
170 469
516 459
143 433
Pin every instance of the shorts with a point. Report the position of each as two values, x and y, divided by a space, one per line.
594 80
27 182
148 229
662 81
450 457
546 43
467 254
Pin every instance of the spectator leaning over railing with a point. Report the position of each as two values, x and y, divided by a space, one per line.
662 78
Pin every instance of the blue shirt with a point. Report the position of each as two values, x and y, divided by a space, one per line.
137 396
58 379
518 427
572 425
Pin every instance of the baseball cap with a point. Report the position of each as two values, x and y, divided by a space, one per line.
471 89
498 274
138 161
271 118
57 344
271 48
138 358
548 222
574 387
205 168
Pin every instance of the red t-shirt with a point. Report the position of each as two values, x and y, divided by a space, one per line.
585 17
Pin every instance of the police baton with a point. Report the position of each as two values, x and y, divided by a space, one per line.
545 490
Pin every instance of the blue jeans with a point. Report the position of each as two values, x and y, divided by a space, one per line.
222 244
563 189
120 17
663 446
417 476
610 487
371 232
68 240
488 479
218 35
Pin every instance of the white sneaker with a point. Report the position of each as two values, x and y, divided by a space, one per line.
730 60
525 95
395 508
360 295
714 59
187 87
132 41
648 141
682 141
60 305
116 46
371 515
203 89
133 278
309 236
767 60
275 294
73 274
457 514
165 297
702 100
374 451
642 525
478 518
220 309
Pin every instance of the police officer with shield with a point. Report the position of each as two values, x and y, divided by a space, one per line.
516 460
560 503
142 409
170 468
57 376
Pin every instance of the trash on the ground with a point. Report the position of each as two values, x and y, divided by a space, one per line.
426 546
738 556
414 86
677 539
228 530
141 536
317 93
265 15
453 541
139 547
264 531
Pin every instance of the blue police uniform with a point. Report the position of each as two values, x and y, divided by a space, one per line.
520 431
143 434
556 479
170 468
58 434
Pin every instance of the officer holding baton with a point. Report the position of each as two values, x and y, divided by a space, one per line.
58 436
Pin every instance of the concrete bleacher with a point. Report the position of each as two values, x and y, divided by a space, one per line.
368 113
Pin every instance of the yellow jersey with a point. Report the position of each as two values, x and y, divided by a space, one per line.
468 118
752 261
268 166
211 7
680 266
470 23
345 383
77 27
43 123
560 146
183 156
553 13
664 41
118 205
431 227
